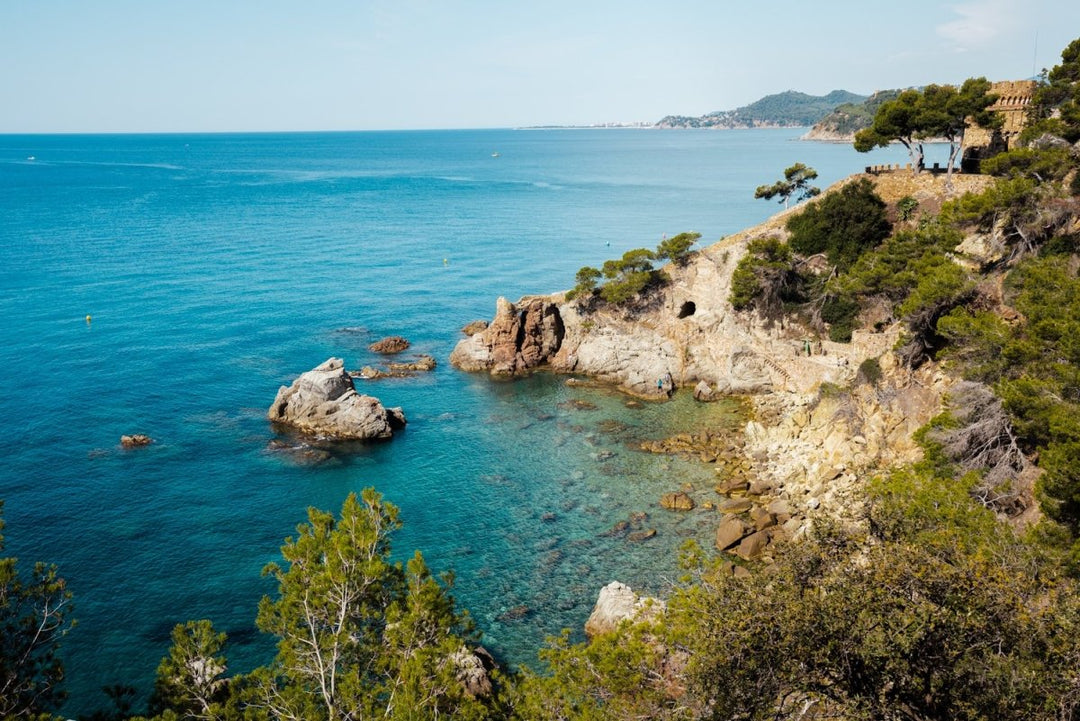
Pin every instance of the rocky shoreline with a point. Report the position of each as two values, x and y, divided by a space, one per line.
817 427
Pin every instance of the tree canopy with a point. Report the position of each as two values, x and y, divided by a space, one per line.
796 184
1055 106
842 224
33 619
937 111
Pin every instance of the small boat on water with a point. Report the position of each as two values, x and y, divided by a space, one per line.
495 154
30 157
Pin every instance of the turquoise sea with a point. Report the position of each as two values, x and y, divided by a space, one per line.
218 267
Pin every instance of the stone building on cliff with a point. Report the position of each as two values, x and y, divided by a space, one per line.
1014 96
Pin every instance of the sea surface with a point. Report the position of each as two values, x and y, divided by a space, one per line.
215 268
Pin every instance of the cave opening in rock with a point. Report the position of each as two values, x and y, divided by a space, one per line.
687 309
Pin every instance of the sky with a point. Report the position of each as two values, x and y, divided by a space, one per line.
265 65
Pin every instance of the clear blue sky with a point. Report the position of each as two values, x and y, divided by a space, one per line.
216 65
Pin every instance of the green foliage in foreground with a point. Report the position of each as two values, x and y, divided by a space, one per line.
939 612
34 612
358 636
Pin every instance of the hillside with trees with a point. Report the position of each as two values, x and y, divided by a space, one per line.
789 109
841 124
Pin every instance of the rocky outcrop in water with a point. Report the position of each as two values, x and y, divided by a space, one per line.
521 337
422 364
325 403
389 345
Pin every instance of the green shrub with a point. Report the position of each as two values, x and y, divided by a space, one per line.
765 277
676 248
1039 164
840 314
842 225
906 207
870 371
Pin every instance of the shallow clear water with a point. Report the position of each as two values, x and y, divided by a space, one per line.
218 267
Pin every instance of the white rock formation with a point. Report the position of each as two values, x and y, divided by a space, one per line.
324 402
616 603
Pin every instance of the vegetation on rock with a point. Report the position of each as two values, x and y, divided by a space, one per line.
841 225
628 278
787 109
849 118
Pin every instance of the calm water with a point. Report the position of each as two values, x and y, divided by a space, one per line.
217 267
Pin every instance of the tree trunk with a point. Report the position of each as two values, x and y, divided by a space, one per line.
956 143
915 152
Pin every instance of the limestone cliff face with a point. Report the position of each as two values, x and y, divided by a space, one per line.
689 332
816 447
809 445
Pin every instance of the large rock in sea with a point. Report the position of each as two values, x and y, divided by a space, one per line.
520 338
616 603
325 403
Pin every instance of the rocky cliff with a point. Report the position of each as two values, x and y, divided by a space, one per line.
324 402
810 446
688 334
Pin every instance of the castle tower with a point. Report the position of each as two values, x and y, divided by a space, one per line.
1014 96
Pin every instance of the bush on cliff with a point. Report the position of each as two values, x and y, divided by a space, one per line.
677 248
627 278
765 278
842 225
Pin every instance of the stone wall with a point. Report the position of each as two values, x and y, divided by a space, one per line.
1014 96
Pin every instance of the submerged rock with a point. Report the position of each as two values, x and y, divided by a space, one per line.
677 502
324 402
422 364
389 345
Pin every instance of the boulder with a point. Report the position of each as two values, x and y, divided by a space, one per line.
521 337
325 403
389 345
677 502
471 669
731 531
704 392
736 505
135 440
751 547
616 603
475 327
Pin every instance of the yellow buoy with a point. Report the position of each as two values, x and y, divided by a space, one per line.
87 317
445 261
